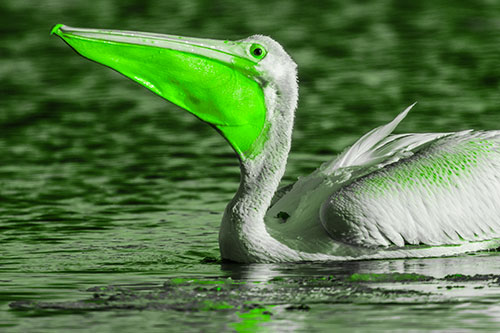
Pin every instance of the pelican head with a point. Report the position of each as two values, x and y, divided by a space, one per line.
232 85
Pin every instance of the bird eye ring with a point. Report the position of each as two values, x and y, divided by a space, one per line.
258 51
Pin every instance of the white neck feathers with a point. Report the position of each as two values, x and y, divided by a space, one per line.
243 236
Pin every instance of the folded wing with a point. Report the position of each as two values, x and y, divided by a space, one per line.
448 192
300 203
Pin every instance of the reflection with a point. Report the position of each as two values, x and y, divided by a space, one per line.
268 272
470 264
252 272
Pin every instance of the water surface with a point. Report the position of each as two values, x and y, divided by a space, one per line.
104 184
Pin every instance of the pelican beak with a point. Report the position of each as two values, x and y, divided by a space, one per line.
217 81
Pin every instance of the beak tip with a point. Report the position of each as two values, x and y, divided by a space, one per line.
56 29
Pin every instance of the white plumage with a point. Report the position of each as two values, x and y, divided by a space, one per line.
389 192
387 196
446 193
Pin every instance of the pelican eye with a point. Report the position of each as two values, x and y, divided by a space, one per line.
258 51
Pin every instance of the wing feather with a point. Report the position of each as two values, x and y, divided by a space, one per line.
373 151
447 193
386 190
365 148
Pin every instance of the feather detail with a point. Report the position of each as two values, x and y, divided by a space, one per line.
357 153
448 193
371 152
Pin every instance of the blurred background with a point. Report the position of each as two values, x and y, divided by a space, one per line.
101 181
360 63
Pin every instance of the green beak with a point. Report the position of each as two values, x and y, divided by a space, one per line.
217 81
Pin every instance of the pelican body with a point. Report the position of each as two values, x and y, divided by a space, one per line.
386 196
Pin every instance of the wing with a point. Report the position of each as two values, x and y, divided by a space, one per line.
300 204
446 193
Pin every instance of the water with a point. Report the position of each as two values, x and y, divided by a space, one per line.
104 184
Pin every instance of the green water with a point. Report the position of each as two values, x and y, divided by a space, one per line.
102 183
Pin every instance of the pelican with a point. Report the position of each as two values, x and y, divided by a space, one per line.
386 196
